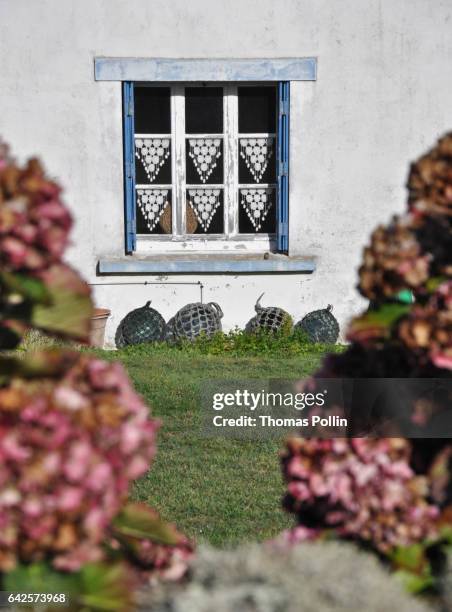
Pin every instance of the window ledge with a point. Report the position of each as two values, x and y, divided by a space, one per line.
206 264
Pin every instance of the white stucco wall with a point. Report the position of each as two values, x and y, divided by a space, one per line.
382 96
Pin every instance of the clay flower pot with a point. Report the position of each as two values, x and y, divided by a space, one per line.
98 323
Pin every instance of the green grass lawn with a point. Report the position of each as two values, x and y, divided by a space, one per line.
218 489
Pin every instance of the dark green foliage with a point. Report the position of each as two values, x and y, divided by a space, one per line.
239 343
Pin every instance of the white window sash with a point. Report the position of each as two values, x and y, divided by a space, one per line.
180 240
178 170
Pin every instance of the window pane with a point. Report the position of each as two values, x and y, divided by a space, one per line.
257 210
257 110
153 161
257 160
205 211
204 161
152 110
153 211
203 110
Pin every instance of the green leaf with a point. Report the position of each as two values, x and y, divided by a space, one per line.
45 363
385 316
32 289
41 578
106 587
409 557
445 532
377 323
414 583
97 586
70 309
412 567
139 521
434 282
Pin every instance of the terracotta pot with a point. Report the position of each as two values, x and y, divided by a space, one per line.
98 323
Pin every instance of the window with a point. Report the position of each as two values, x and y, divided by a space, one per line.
206 166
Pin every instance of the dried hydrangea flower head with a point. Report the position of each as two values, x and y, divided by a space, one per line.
427 330
393 261
381 491
34 233
430 180
34 223
418 245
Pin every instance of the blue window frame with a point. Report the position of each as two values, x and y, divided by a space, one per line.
129 167
282 167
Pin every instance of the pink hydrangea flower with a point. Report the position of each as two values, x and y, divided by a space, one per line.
360 488
69 449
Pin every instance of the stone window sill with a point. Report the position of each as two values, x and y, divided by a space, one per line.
206 264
